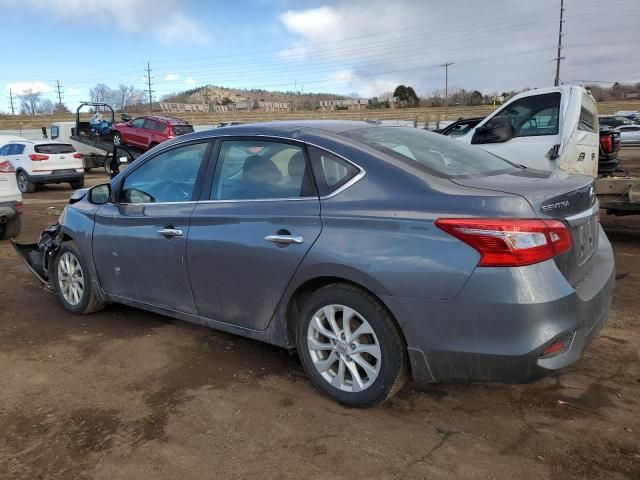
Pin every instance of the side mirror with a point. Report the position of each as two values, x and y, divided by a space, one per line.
100 194
497 130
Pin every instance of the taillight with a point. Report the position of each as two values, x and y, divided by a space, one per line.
37 157
509 242
606 143
77 155
6 167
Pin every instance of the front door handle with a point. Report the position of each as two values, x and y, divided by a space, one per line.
284 239
170 232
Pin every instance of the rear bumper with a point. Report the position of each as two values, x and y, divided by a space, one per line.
497 328
57 177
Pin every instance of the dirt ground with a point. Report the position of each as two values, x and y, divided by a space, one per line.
128 394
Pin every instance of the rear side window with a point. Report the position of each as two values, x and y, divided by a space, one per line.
54 148
155 126
15 149
588 115
330 171
182 129
259 170
433 153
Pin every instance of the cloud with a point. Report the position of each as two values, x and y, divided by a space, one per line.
73 92
172 77
164 18
190 81
510 45
18 88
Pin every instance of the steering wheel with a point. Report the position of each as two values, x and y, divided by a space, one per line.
177 192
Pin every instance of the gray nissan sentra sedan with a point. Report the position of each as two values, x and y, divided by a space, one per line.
374 252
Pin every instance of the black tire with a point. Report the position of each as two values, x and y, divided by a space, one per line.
117 139
87 170
12 228
77 184
153 145
25 185
89 301
393 370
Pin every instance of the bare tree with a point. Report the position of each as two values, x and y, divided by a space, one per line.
127 96
30 101
45 107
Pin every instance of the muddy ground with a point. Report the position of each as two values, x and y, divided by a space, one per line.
128 394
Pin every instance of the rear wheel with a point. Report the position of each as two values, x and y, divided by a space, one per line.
73 282
25 185
11 229
77 184
350 346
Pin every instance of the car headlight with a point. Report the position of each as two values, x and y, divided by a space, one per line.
63 215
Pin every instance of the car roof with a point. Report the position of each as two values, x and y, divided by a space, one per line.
166 119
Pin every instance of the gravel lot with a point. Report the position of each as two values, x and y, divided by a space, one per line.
128 394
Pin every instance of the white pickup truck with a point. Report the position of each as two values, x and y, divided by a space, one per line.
555 128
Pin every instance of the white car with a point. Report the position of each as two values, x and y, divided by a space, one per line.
629 134
44 161
10 201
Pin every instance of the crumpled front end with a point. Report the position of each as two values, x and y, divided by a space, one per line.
38 256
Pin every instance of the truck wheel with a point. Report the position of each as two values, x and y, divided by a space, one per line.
11 229
77 184
25 185
73 282
350 346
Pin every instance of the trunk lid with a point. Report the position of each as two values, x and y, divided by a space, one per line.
555 195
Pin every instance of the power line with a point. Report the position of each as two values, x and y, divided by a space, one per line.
149 77
558 57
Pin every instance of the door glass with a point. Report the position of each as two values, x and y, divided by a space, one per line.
16 149
533 116
331 172
588 115
5 150
252 170
168 177
137 123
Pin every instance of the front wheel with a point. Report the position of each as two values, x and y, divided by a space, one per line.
350 346
77 184
73 282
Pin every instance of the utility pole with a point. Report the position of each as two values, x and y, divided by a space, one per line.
558 57
446 87
13 112
58 87
149 77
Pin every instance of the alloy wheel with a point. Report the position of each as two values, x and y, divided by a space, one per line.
344 348
23 182
70 278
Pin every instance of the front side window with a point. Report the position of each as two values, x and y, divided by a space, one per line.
533 116
137 123
257 170
168 177
431 152
5 150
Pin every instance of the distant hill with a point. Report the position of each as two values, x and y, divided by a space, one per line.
213 94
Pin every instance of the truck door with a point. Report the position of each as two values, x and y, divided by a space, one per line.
525 131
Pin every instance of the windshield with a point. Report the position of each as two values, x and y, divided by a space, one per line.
437 154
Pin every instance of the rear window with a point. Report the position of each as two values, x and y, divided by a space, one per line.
54 148
182 129
437 154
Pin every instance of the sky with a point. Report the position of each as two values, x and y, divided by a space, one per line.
363 47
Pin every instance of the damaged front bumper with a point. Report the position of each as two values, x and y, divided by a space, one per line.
38 256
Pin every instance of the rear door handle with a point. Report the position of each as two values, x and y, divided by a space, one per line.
284 239
170 232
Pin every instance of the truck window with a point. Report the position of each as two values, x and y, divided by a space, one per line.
588 115
534 116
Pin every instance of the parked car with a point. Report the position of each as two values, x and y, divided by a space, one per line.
629 134
460 127
372 251
227 124
630 114
608 161
44 161
147 132
10 201
615 121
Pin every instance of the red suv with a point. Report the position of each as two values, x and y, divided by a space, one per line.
147 132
